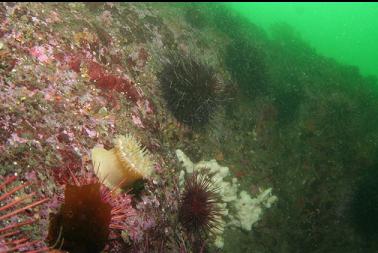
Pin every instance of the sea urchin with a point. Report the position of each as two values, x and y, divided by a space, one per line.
11 237
190 89
200 207
89 216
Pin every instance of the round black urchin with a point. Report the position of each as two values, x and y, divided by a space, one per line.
200 211
190 89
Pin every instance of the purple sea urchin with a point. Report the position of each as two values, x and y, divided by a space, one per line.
200 211
190 89
11 237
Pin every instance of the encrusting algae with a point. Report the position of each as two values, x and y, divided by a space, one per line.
123 165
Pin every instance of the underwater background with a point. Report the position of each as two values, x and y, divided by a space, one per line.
343 31
188 127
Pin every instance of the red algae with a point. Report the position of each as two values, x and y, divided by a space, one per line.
100 76
106 81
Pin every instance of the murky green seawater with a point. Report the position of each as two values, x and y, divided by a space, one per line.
344 31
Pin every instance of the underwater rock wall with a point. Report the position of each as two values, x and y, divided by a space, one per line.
74 76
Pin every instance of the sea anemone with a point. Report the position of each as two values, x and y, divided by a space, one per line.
191 89
123 165
200 211
90 215
11 236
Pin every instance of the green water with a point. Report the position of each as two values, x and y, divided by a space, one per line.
346 32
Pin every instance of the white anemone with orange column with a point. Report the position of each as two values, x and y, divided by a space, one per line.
123 165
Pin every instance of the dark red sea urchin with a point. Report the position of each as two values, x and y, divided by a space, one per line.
200 210
11 220
90 215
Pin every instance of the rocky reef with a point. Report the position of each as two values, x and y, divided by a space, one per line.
88 115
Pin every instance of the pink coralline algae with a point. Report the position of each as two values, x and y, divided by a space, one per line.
144 221
42 53
16 139
13 210
145 106
137 121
